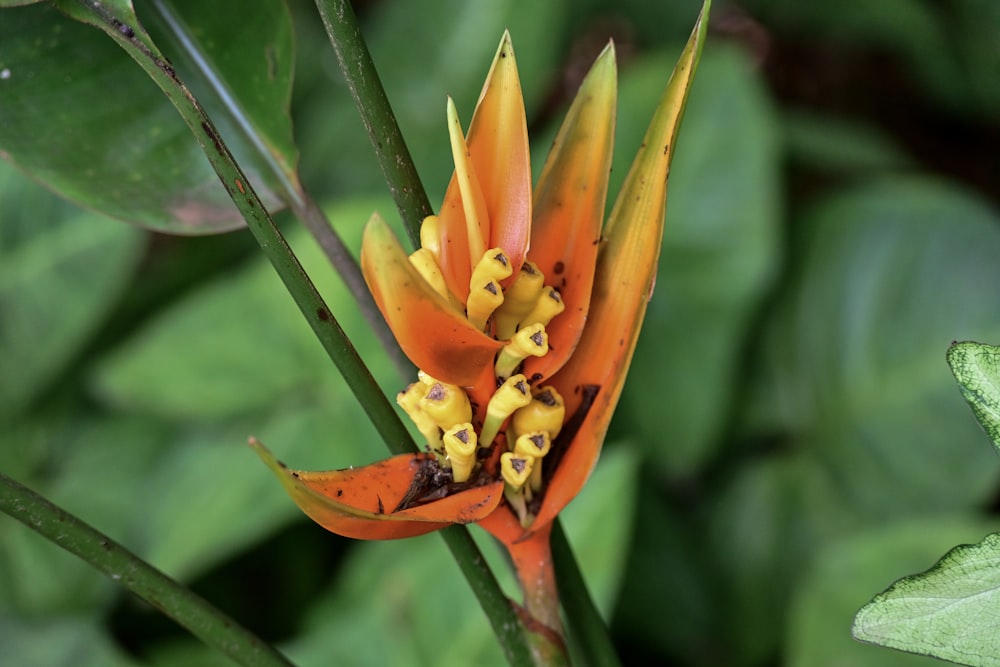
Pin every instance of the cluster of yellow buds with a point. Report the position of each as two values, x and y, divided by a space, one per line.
529 418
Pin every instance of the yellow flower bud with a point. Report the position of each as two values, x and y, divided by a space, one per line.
430 235
485 294
515 469
546 412
529 341
482 302
519 299
549 305
514 393
409 400
535 445
460 443
446 404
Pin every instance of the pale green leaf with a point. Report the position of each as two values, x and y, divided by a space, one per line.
977 369
951 611
841 578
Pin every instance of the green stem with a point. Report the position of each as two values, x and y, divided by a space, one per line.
588 631
172 598
376 114
292 191
506 626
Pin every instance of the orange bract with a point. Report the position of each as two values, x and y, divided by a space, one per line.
515 305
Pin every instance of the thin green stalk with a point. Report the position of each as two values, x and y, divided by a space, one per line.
293 192
172 598
588 631
376 114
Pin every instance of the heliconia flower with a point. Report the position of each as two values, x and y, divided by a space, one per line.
521 309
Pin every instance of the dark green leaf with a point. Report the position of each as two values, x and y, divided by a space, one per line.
885 276
951 611
834 145
130 155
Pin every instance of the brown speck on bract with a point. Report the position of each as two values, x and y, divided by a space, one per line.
558 268
340 492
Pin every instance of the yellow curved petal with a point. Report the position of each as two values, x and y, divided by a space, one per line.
626 271
364 503
435 336
569 208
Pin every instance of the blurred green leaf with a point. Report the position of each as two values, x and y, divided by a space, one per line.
884 277
835 145
977 369
213 496
89 464
49 642
447 50
599 523
61 270
668 569
977 24
239 343
719 252
843 578
412 587
767 524
131 156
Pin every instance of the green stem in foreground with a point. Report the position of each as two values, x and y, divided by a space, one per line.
588 631
376 114
172 598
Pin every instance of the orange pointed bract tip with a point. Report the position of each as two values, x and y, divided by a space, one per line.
626 271
435 336
569 207
362 503
497 144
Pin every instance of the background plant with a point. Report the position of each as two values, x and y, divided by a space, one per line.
791 440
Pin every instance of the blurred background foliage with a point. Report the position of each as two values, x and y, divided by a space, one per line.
790 440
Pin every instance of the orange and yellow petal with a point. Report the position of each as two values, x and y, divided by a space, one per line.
626 272
368 503
497 145
433 334
569 208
